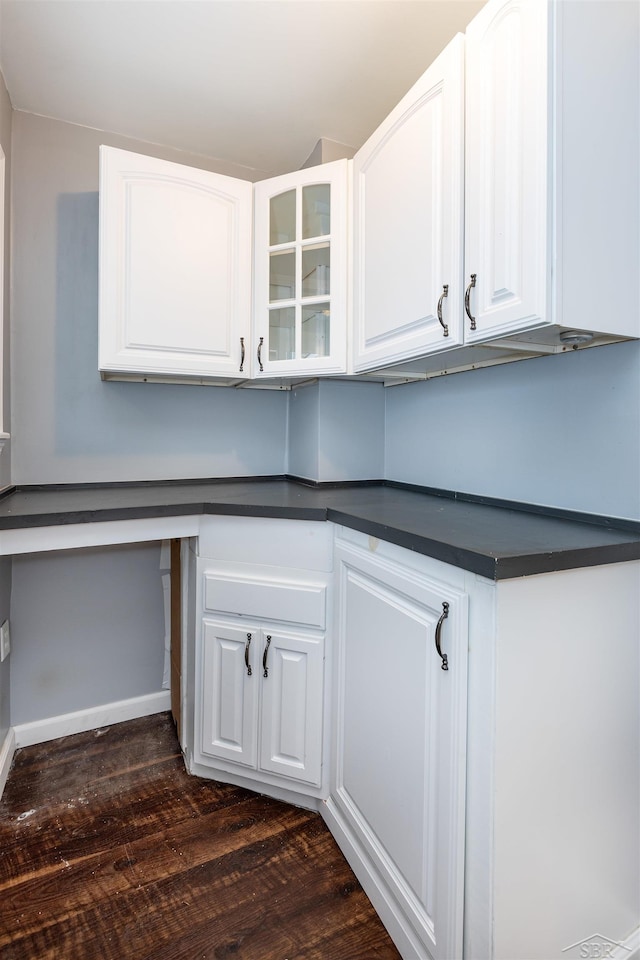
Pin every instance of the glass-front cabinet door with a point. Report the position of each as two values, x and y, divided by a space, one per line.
300 298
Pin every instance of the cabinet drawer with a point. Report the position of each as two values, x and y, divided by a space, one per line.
269 541
297 602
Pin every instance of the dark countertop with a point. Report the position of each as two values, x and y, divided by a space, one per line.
498 542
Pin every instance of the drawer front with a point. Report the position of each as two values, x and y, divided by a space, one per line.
302 544
295 602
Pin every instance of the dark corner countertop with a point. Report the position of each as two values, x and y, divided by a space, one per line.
496 539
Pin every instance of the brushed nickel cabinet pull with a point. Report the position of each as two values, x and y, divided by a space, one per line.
445 293
246 655
467 305
260 354
241 354
443 617
265 669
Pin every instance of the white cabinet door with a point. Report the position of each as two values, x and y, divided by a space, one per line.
260 699
175 268
407 222
300 301
507 155
227 694
399 779
292 697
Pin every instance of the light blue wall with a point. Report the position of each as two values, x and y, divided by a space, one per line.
336 431
5 458
87 625
562 431
68 425
87 629
304 431
351 431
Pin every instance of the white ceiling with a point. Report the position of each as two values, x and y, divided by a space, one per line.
253 82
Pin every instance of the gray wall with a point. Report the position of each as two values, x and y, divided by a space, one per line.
5 457
68 425
76 639
5 142
351 431
563 431
336 431
88 629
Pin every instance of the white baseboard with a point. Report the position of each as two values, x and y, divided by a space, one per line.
7 751
39 731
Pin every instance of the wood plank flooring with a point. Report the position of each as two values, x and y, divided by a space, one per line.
110 851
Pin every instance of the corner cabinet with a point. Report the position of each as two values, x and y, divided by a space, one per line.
176 276
397 802
256 656
175 263
261 698
300 282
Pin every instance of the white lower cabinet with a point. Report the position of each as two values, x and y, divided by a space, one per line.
490 811
397 802
260 701
255 650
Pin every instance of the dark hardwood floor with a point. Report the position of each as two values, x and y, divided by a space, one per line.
110 851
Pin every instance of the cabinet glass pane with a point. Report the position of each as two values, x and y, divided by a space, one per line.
316 322
282 218
282 333
315 271
282 275
316 208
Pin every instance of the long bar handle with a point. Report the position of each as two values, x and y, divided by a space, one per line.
445 293
467 305
443 617
241 354
260 354
246 655
265 669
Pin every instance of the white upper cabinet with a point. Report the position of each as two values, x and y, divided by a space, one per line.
493 215
506 186
549 221
407 222
551 191
300 282
175 268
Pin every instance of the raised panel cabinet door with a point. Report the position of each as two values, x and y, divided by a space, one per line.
407 222
400 766
301 260
292 672
228 693
175 268
506 207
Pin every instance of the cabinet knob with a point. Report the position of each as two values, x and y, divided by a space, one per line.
443 617
265 669
445 293
467 305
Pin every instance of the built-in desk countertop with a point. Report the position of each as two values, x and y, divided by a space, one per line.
494 539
